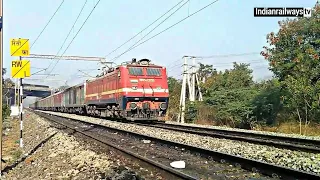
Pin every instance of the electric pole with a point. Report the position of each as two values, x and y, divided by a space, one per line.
193 80
190 77
1 83
183 90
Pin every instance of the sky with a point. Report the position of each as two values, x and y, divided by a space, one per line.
226 27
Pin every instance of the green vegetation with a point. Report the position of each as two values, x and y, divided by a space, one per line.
16 154
232 98
6 83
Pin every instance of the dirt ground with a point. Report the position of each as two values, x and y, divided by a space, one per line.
49 153
10 142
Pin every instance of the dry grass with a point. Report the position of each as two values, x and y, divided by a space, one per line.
294 128
205 122
11 150
206 116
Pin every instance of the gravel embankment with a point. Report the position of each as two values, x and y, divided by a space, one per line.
304 161
250 131
62 156
197 166
34 131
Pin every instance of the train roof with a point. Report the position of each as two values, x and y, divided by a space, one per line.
133 63
59 92
77 85
141 62
96 78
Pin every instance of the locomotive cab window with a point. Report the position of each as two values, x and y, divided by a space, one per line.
135 71
153 72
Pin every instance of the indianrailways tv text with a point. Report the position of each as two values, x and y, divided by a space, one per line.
282 12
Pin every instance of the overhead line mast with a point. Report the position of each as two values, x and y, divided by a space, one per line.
190 80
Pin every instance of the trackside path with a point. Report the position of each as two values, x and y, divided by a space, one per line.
62 156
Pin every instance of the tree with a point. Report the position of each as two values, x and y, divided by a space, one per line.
293 54
267 104
174 97
231 94
205 71
6 84
238 77
4 71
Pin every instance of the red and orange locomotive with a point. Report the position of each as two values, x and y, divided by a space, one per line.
136 90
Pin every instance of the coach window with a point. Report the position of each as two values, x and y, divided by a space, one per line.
135 71
153 72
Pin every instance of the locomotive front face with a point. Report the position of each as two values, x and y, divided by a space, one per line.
146 92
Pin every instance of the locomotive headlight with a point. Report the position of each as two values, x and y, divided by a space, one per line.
133 106
158 88
163 106
134 87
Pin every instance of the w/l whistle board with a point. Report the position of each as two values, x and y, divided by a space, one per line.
19 47
20 69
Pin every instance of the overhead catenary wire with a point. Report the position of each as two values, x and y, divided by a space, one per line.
144 29
227 55
174 64
154 28
65 40
166 29
47 24
252 67
74 76
148 27
220 65
213 56
76 34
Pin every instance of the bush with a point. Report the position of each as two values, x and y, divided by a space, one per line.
5 111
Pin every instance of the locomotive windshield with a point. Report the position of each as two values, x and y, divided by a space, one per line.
136 71
153 72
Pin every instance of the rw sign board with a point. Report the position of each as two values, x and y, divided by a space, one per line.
20 69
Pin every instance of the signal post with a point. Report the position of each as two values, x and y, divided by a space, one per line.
20 69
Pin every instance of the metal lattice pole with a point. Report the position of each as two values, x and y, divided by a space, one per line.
183 90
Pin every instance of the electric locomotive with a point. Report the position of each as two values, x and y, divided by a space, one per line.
135 90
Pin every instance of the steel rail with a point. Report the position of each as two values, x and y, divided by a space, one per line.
167 169
276 141
245 163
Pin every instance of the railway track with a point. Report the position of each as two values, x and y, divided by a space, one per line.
237 162
167 172
299 144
